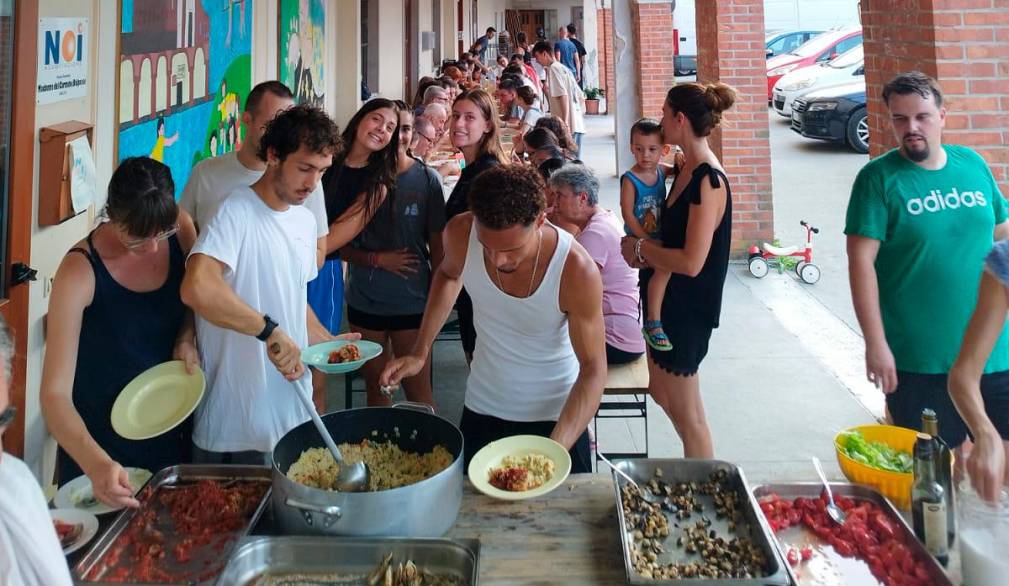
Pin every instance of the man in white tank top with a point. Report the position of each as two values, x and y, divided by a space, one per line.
540 363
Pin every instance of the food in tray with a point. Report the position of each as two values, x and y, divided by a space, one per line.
386 573
388 465
521 473
717 555
348 353
868 535
181 533
875 454
67 532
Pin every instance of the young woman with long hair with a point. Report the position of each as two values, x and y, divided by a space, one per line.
391 263
474 131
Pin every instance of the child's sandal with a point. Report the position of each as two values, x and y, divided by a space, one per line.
656 337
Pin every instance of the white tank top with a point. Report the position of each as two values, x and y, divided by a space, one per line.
523 365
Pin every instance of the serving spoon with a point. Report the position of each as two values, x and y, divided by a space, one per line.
645 494
352 477
833 510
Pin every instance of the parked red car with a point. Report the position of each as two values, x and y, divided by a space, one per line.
818 49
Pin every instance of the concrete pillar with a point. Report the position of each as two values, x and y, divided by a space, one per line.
623 99
730 49
347 70
965 46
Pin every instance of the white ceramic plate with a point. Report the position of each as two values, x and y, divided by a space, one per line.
77 494
88 522
517 445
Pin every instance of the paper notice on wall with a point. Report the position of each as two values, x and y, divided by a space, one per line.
82 174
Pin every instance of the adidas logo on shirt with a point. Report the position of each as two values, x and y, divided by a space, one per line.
935 201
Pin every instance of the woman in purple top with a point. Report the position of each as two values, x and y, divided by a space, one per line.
575 195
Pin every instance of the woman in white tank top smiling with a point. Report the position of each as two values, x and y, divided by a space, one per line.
540 365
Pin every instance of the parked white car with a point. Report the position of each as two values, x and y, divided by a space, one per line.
846 67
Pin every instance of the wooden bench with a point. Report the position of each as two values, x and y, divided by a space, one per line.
625 380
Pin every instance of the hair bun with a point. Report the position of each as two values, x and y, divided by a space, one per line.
719 97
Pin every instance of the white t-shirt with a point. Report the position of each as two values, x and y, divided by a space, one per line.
213 179
269 258
561 85
30 552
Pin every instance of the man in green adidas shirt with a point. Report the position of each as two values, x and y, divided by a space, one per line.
920 221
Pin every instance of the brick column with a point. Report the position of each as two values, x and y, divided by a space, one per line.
604 34
964 44
730 49
653 26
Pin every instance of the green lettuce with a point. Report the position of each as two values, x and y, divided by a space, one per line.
874 454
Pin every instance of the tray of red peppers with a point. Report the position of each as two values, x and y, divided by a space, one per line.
874 546
189 520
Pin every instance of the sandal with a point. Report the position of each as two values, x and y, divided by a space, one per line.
656 337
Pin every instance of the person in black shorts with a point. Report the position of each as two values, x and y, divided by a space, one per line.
700 204
391 262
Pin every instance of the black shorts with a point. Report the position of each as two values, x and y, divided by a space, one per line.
916 392
689 336
383 323
479 430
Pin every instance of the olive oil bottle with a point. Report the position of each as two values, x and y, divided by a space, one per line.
928 501
943 468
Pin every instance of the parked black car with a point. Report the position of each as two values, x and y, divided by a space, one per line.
835 113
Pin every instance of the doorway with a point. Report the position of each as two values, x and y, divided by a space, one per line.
527 21
18 38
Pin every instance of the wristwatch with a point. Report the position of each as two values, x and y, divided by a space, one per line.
267 329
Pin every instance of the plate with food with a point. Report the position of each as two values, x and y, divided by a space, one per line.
74 528
340 356
78 493
519 467
157 400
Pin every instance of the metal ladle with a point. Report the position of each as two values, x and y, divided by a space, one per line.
833 510
352 477
645 494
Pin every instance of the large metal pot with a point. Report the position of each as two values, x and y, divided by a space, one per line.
425 509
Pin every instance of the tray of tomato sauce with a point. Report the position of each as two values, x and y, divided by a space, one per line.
189 520
875 546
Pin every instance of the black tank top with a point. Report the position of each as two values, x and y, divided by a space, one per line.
342 185
697 297
123 333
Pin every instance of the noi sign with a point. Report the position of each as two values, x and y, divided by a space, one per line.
62 59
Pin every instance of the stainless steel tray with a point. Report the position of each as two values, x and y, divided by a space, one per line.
166 477
684 470
350 556
849 571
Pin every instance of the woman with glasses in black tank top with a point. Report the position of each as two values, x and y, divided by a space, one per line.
696 228
114 312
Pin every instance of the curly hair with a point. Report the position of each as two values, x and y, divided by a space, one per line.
506 196
300 126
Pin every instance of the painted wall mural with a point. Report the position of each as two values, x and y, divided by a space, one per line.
302 31
185 68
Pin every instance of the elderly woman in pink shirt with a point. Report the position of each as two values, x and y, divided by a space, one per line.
575 195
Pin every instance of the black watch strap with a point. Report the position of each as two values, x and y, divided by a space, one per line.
267 329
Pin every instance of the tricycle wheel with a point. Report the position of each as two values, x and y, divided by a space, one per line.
810 274
798 268
758 266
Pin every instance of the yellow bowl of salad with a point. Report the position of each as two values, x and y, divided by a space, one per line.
879 456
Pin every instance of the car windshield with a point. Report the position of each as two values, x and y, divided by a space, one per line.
852 57
816 45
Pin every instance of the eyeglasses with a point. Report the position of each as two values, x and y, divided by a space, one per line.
425 137
7 416
159 237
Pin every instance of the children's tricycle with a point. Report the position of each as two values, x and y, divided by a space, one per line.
761 260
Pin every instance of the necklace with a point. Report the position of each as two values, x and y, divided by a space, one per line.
536 266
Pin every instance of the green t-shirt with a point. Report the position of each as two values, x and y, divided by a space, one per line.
934 228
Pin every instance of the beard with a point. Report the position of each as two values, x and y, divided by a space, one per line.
916 155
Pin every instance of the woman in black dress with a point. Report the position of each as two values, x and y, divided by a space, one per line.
696 228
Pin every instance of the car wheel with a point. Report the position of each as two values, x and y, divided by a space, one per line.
857 133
